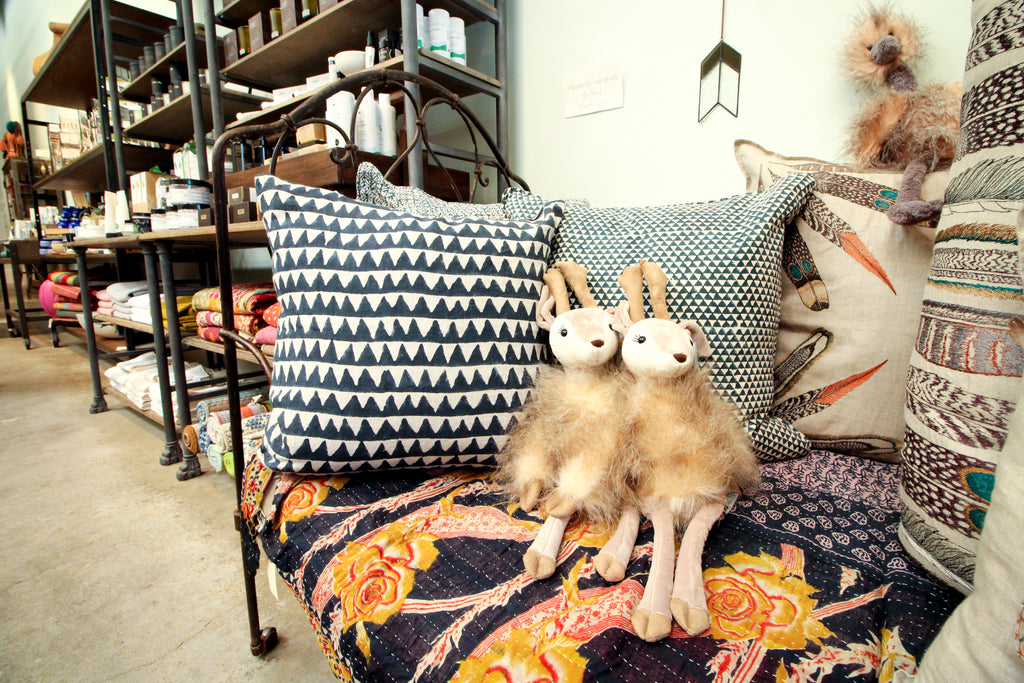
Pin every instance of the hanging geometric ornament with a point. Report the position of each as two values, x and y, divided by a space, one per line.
720 78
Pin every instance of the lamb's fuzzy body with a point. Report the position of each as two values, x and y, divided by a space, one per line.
687 447
569 436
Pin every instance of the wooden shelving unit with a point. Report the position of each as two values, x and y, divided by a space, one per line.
140 88
88 173
68 77
172 123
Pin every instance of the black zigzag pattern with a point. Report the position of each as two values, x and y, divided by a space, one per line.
403 341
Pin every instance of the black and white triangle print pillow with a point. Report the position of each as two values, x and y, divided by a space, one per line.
723 261
403 341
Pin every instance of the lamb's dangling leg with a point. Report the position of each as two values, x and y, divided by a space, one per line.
689 605
909 207
614 556
652 618
539 560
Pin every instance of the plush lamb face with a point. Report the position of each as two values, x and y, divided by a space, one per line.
583 338
662 348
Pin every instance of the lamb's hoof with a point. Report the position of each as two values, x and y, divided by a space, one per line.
651 626
609 567
528 501
916 211
694 620
538 566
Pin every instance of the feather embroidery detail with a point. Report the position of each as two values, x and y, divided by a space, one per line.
816 400
837 231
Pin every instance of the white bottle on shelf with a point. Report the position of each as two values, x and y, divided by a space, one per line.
339 111
422 26
367 124
388 118
439 19
457 40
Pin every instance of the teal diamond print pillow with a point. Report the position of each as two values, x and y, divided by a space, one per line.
723 260
403 341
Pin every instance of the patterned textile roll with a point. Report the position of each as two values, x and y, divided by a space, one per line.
190 438
209 406
67 306
222 417
204 441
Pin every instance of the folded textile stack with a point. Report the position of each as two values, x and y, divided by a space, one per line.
120 373
194 372
138 309
249 301
104 304
60 295
267 337
121 295
186 314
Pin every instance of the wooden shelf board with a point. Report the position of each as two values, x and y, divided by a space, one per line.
140 89
88 173
298 54
239 11
172 123
129 404
216 347
316 168
104 344
68 77
250 233
122 242
123 322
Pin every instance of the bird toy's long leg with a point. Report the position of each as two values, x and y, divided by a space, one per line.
689 605
909 207
614 556
652 618
539 560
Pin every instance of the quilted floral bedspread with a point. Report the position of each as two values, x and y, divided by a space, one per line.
418 576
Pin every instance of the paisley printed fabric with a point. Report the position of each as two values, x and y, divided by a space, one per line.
412 577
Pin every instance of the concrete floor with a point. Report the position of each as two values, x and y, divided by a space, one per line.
110 568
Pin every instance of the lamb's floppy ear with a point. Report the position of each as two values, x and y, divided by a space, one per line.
546 308
699 338
620 318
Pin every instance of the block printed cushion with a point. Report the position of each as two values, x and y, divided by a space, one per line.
851 300
722 261
964 372
403 341
372 187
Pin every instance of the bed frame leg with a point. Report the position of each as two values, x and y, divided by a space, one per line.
261 641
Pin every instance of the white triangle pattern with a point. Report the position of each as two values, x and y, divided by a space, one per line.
403 341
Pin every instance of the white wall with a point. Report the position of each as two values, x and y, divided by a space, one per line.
794 98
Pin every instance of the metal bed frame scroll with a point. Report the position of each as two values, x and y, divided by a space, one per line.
416 89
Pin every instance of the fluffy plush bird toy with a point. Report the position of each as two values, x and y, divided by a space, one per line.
904 126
